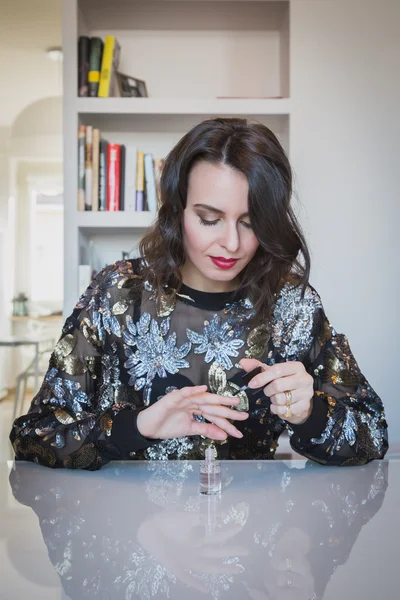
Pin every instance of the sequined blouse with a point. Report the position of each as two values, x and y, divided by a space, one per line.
120 351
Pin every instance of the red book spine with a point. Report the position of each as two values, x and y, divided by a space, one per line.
113 178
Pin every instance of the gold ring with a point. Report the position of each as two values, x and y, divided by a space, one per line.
288 412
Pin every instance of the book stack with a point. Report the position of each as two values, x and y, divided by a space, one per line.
114 177
97 66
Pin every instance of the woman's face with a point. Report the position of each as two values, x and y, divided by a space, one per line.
217 236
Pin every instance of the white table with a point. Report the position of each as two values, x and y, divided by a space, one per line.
279 530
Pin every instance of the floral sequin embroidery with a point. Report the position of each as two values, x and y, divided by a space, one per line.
217 342
156 354
293 321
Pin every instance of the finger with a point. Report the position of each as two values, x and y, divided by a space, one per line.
280 398
278 387
248 364
207 430
279 410
208 399
224 411
297 409
189 391
276 372
223 424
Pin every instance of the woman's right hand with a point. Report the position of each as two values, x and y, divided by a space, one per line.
172 416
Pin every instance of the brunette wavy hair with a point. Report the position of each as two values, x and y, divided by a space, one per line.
254 150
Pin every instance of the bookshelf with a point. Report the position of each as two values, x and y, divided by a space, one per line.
200 59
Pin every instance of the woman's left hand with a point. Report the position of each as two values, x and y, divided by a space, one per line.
280 378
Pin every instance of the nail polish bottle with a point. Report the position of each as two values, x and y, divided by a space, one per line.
210 474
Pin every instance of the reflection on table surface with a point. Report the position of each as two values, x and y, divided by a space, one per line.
141 530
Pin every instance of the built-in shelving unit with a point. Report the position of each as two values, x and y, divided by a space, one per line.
200 59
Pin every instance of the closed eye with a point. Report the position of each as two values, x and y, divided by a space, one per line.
204 222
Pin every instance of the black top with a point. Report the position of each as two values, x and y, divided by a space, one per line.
119 353
207 300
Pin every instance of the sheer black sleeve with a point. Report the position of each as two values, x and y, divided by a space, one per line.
83 416
347 425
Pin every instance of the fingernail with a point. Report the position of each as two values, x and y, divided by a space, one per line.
254 383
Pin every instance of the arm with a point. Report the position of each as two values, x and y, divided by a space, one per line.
347 424
82 416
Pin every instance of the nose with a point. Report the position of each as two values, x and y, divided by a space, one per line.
230 239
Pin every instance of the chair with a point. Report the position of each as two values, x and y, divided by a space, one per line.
30 371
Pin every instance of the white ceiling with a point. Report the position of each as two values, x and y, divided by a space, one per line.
27 28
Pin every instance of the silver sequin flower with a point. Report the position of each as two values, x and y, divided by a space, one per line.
293 321
156 354
178 447
104 320
341 428
217 342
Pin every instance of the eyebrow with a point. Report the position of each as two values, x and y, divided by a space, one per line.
217 210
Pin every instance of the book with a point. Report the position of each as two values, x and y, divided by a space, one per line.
113 176
109 67
151 193
83 65
130 179
81 166
140 181
103 174
88 168
95 169
122 178
96 54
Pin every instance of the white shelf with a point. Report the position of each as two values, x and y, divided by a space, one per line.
178 15
184 106
103 221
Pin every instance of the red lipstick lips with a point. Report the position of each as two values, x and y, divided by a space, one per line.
223 263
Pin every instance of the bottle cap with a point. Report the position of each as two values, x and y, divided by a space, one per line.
210 455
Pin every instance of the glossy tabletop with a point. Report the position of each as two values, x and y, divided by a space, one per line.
279 530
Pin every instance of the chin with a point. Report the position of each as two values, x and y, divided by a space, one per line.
224 276
227 275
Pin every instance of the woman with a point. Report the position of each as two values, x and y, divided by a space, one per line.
150 364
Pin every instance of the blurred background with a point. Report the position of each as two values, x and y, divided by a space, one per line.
322 74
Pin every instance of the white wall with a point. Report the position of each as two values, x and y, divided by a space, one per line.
345 132
27 28
4 193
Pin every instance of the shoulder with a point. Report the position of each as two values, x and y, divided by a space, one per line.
293 299
118 274
296 315
111 282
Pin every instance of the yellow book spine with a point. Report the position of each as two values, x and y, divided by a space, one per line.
140 172
106 67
